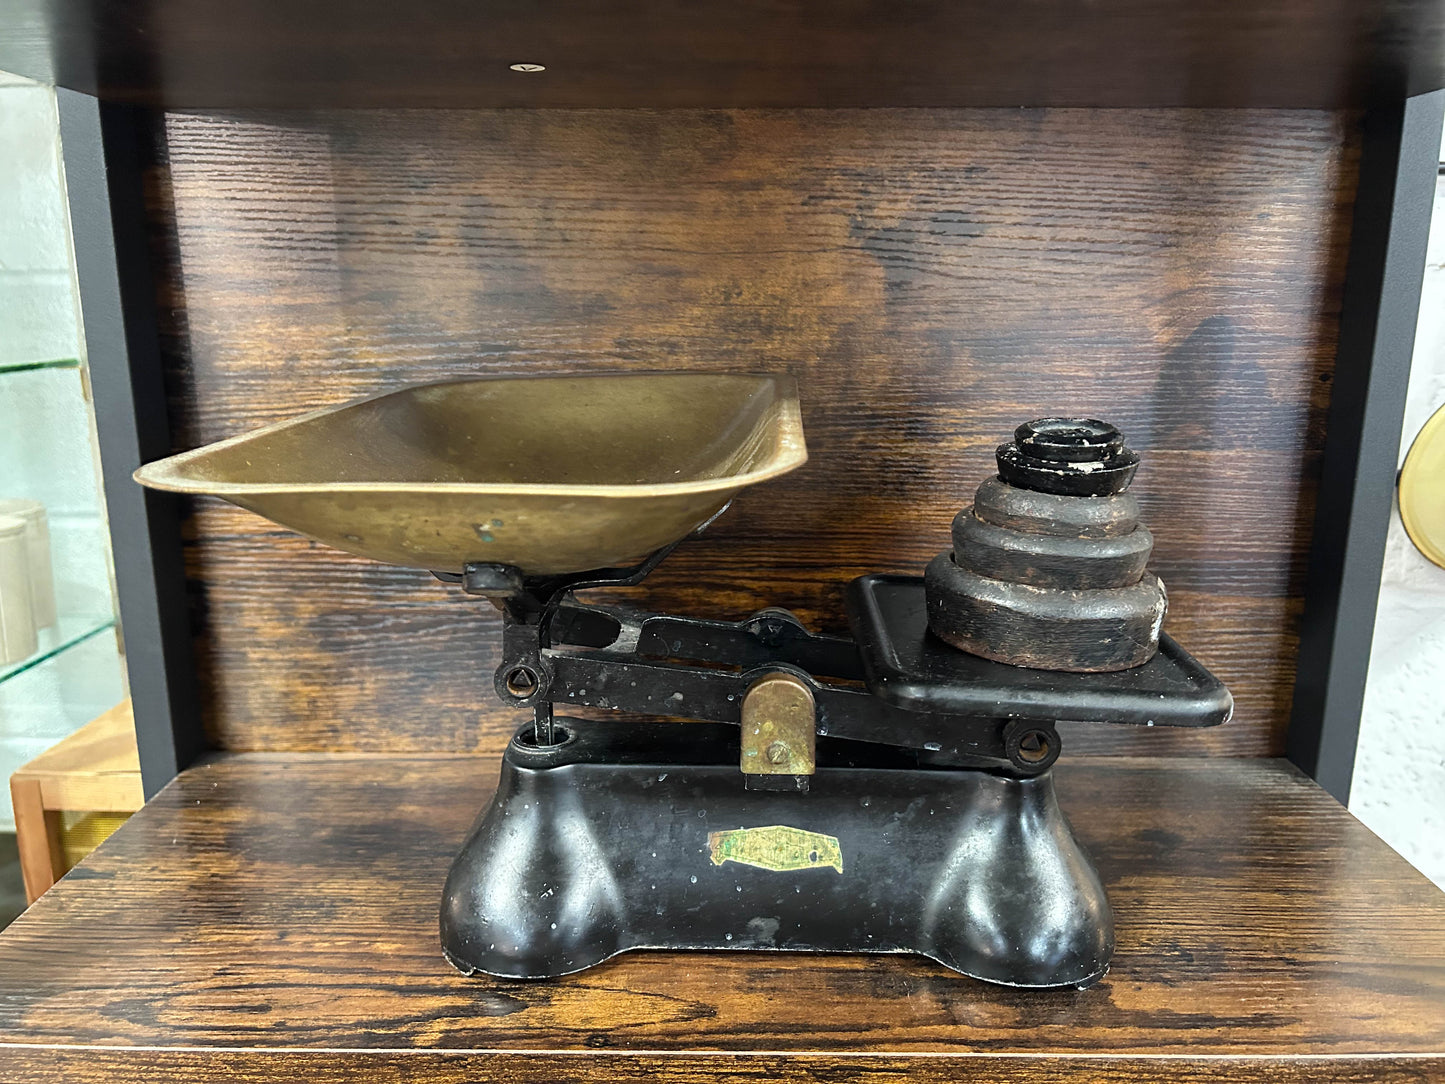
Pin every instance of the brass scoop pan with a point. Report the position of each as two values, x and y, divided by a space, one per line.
552 474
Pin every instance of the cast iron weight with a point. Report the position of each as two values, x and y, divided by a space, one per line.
1076 457
1048 565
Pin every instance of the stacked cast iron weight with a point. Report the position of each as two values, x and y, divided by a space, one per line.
1047 568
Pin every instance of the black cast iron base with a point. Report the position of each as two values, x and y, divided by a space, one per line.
627 837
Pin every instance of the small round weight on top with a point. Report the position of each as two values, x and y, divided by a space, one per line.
1069 440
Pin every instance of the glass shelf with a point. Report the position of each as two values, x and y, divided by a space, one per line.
69 630
47 449
31 366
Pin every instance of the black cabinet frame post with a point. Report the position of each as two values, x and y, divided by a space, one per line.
100 147
1391 227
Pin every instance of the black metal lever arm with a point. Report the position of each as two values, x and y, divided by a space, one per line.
630 683
897 687
655 664
901 690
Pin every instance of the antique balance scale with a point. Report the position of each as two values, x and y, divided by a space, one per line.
885 793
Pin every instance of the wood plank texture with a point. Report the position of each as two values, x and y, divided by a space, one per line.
931 277
655 53
275 916
37 837
146 1065
96 769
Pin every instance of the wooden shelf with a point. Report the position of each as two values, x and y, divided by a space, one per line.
94 770
276 915
748 53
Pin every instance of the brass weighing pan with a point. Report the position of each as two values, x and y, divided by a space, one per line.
552 474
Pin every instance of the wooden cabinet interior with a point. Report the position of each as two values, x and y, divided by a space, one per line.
931 277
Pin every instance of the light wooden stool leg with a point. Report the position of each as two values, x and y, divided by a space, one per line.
37 837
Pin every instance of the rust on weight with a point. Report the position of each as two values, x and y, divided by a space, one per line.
1048 565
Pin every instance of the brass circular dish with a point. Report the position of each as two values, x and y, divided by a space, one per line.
1422 489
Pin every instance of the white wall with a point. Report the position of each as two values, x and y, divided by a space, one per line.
1399 784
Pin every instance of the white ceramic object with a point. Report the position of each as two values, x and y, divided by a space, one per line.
37 544
17 625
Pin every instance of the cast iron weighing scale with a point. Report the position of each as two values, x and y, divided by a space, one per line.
890 792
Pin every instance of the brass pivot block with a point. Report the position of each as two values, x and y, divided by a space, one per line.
779 720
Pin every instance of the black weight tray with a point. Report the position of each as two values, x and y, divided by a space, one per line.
906 665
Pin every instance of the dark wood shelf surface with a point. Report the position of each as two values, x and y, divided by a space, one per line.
748 53
277 915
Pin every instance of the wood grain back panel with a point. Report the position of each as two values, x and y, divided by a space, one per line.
932 278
